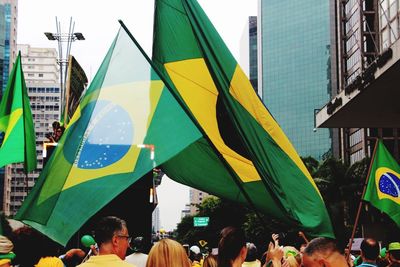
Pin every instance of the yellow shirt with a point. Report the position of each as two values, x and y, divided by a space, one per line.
106 261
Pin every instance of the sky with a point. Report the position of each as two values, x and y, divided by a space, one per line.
98 21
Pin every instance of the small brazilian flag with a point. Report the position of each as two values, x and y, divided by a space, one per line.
383 189
102 151
17 134
244 155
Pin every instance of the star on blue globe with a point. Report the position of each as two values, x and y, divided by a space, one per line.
109 136
389 184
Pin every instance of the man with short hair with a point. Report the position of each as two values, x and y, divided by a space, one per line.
112 237
323 251
137 258
394 254
369 252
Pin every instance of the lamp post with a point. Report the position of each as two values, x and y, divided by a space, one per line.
64 41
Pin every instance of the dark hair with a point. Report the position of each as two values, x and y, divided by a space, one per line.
370 249
107 228
137 244
27 242
395 254
321 245
251 252
229 246
55 124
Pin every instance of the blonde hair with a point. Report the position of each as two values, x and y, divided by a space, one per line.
50 262
167 253
6 245
210 261
292 256
292 261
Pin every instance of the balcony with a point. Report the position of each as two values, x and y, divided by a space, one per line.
369 102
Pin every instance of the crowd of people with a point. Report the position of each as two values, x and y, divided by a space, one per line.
113 240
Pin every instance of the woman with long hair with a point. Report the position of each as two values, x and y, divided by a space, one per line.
232 248
167 253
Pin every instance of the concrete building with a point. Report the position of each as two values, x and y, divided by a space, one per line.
155 220
41 75
367 65
186 211
196 197
294 66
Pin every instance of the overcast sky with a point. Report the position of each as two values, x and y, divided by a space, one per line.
98 21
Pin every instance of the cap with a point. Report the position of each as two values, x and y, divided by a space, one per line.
394 246
195 249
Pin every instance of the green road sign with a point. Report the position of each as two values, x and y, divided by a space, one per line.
200 221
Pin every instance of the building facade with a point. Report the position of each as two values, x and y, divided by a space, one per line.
368 52
196 197
248 52
294 38
41 76
8 38
8 43
155 220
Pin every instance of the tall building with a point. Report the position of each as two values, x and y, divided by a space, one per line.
248 52
8 39
294 40
186 211
155 220
41 76
367 67
8 43
196 197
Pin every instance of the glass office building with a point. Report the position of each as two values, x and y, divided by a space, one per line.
295 54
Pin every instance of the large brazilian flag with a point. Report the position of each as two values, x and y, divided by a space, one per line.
244 155
17 134
100 154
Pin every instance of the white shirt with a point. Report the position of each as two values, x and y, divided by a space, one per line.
138 259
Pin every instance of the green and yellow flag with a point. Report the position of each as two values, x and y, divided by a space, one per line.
102 152
16 124
243 155
383 189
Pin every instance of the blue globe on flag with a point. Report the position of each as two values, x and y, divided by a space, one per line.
108 136
389 184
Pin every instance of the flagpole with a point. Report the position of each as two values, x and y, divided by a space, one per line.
361 202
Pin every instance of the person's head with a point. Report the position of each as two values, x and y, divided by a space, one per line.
137 244
167 253
369 249
251 252
323 251
55 125
194 253
292 256
59 132
210 261
394 252
231 247
50 262
26 238
112 237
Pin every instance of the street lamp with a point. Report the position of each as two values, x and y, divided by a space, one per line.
63 58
